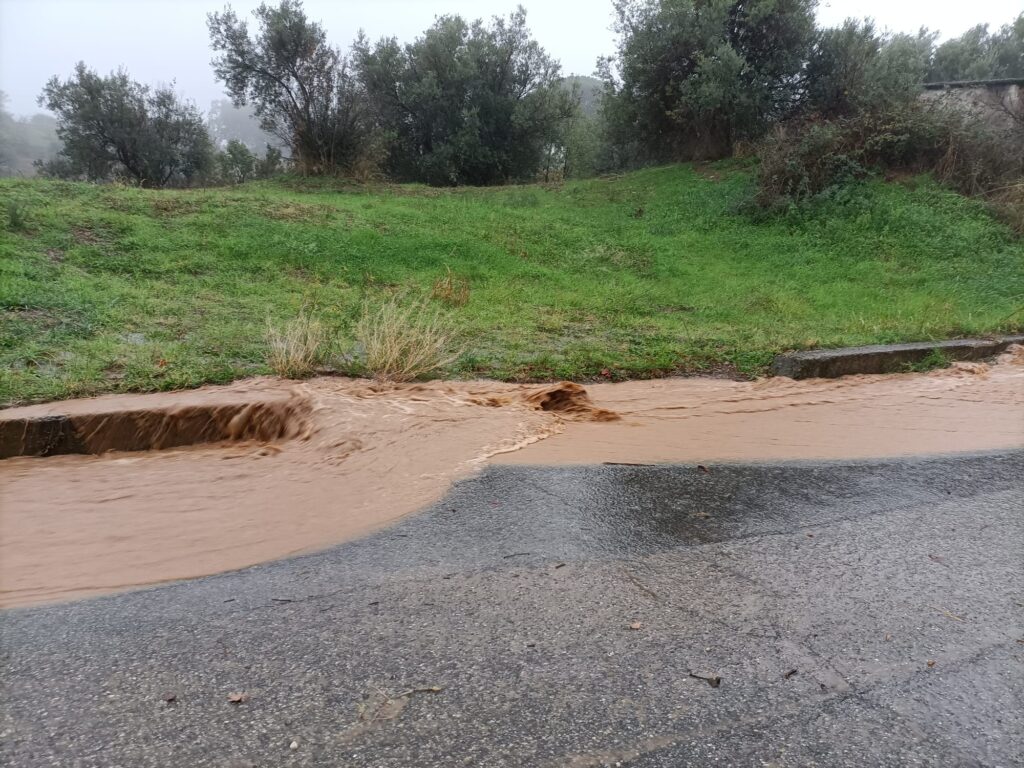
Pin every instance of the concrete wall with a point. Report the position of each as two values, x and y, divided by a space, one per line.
1000 103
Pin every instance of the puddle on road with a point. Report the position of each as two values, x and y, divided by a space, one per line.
368 455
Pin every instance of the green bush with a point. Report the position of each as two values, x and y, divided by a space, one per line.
801 160
16 218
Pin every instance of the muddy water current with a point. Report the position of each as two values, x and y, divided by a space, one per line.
353 456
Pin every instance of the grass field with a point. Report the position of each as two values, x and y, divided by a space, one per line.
106 288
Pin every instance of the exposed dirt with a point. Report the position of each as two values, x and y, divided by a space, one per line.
246 411
306 465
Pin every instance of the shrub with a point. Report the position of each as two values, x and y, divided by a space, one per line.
1008 204
295 349
404 339
115 127
16 219
802 159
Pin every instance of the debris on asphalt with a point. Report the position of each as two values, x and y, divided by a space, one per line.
938 559
702 468
639 584
238 698
713 680
789 674
947 614
560 565
516 554
170 698
931 663
381 705
636 625
421 689
293 745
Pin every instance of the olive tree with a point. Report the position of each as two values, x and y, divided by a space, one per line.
115 127
854 67
979 54
465 103
301 87
692 77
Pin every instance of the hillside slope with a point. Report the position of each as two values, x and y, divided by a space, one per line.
109 288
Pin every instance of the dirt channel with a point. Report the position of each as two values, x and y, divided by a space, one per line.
339 458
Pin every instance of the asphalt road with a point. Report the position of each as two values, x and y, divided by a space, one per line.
857 614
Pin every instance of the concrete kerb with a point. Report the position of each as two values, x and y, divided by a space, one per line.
883 358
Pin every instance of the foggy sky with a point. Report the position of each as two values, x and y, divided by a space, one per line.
160 41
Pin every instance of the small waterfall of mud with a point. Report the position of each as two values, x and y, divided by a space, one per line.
150 423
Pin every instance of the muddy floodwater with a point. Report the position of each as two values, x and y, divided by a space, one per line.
353 456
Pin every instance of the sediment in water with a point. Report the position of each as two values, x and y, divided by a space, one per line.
300 466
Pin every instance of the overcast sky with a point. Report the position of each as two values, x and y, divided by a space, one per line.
160 41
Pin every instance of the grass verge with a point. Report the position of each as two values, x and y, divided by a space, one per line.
111 289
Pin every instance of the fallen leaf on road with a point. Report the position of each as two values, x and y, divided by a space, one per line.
703 469
636 625
931 663
238 698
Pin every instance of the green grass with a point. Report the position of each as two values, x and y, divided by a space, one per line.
104 288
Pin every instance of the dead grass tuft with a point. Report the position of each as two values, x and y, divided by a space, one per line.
405 338
295 349
452 290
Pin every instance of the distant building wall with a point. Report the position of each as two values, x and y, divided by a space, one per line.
998 102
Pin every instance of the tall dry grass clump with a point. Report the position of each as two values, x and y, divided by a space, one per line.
450 289
295 348
405 338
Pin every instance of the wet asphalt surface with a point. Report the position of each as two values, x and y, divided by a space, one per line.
833 614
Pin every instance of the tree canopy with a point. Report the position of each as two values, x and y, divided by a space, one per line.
300 86
466 103
854 67
481 102
691 77
980 55
114 126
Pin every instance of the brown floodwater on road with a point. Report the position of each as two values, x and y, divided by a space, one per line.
969 407
362 455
